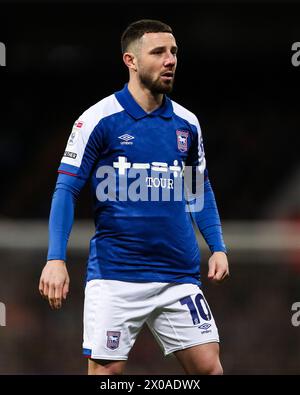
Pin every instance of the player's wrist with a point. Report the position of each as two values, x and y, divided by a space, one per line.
220 249
51 261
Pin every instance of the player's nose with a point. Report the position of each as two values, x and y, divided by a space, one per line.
170 60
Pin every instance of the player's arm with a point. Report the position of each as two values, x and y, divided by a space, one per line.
209 224
207 218
82 151
54 281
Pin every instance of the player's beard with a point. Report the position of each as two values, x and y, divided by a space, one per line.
156 86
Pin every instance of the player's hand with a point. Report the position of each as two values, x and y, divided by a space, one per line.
54 283
218 267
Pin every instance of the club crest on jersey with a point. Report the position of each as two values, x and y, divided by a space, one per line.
182 140
113 339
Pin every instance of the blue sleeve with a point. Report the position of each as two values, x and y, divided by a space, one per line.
208 220
61 217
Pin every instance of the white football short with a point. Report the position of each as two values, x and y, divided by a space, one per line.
115 311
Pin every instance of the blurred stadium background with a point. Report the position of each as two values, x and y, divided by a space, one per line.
235 73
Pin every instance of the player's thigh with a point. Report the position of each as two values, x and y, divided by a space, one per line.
200 359
104 367
183 319
114 312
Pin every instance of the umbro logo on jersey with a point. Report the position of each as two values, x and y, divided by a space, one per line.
126 139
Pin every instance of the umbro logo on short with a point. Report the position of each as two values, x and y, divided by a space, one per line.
204 326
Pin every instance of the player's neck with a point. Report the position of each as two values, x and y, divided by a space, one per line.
144 97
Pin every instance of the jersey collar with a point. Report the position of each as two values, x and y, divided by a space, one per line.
127 101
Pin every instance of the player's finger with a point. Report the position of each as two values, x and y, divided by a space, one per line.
57 296
66 289
45 290
212 269
51 294
41 286
218 276
225 275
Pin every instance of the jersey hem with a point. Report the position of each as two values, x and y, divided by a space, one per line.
147 280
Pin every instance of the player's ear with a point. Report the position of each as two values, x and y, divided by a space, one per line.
130 60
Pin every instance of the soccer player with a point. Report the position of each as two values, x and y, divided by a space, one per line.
135 147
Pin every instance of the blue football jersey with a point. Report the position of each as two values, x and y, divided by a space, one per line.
134 160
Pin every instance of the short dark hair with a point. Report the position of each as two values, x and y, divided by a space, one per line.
137 29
